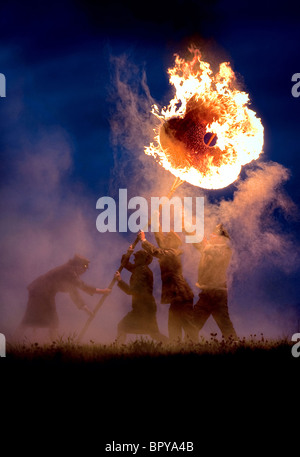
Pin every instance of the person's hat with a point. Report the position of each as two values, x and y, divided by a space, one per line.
80 261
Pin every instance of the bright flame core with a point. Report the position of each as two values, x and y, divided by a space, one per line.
205 103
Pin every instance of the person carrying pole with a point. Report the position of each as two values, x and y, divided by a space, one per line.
212 280
41 308
175 289
142 318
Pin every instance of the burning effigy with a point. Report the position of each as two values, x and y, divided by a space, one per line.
207 132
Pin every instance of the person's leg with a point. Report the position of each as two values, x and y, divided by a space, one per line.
187 321
221 316
149 325
129 324
202 310
121 334
174 325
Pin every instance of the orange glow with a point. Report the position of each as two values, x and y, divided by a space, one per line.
205 105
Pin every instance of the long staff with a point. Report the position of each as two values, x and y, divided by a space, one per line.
175 185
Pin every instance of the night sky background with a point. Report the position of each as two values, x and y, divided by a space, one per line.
59 153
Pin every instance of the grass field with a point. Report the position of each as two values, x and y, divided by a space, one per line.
68 350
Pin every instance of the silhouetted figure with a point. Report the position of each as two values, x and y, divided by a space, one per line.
212 280
41 307
142 318
175 289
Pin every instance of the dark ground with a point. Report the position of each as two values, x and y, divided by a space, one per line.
229 401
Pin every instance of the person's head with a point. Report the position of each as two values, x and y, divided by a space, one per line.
171 241
142 258
220 230
79 263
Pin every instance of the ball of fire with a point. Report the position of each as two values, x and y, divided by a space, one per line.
207 132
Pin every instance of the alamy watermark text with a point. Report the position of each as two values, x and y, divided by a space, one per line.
2 85
2 345
133 215
296 87
296 346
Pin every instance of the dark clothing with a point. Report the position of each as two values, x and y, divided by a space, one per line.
41 307
214 302
182 319
142 318
175 289
174 286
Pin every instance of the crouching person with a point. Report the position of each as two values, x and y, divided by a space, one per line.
41 307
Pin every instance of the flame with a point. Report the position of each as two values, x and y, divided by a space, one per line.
205 104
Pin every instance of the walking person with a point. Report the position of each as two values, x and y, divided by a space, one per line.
212 280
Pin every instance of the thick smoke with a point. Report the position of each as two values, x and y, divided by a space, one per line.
250 217
265 254
131 121
262 294
132 125
47 220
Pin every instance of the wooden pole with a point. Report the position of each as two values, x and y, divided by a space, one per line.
175 185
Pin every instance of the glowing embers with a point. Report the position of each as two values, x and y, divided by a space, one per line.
207 132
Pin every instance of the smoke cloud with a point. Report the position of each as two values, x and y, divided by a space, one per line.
131 122
262 284
257 214
49 217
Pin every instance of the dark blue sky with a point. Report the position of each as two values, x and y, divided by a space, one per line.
57 61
